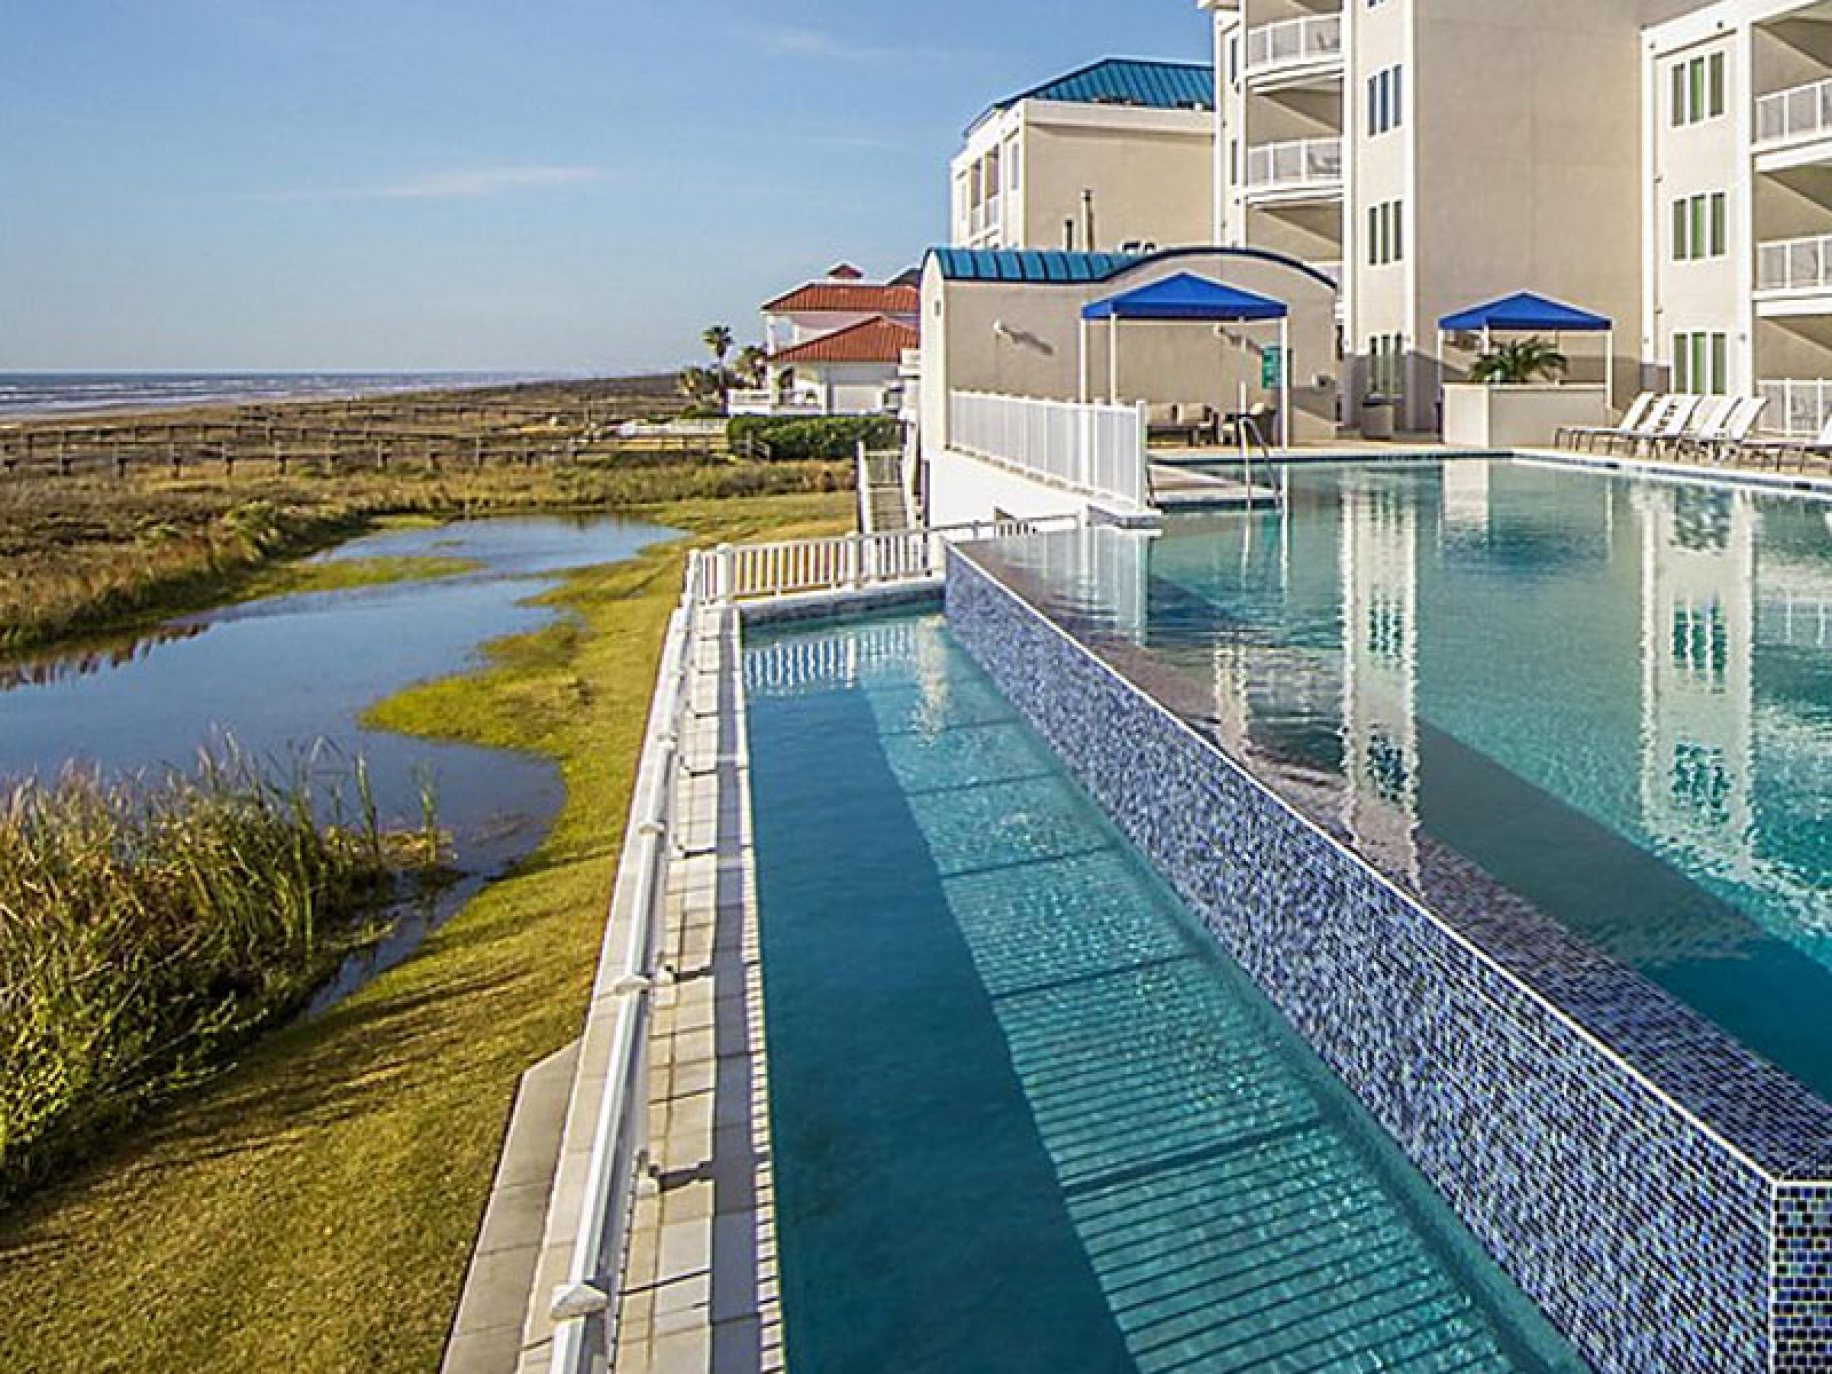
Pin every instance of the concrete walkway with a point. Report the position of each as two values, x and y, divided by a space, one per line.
699 1289
700 1292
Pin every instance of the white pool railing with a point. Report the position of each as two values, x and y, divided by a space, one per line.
849 562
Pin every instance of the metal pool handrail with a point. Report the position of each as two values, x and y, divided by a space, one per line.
748 572
584 1307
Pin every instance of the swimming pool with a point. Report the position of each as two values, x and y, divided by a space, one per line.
1026 1115
1613 695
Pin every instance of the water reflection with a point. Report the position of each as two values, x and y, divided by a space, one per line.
48 669
1613 696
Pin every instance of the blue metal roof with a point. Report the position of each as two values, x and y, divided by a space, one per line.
1031 264
1138 82
1186 297
1526 311
1057 267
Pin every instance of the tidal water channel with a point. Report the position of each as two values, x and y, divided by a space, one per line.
288 680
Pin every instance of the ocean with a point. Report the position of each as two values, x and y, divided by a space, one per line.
50 393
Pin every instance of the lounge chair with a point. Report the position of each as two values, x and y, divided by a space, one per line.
1736 431
1669 420
1631 419
1820 446
1707 425
1644 424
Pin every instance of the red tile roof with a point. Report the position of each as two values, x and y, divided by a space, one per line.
847 298
869 341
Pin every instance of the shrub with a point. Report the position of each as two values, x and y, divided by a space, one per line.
831 439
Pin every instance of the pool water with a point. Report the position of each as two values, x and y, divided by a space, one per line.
1025 1114
1614 695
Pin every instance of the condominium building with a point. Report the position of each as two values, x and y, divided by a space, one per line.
1432 154
1737 210
1119 154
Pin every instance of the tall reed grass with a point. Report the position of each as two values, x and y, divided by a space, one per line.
150 924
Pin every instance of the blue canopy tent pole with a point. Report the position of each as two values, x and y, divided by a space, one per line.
1084 362
1113 359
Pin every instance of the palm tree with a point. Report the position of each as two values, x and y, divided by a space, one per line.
750 364
1519 361
718 341
698 384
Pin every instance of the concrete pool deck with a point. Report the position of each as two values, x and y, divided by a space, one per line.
700 1288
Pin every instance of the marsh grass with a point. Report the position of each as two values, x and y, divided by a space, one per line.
152 923
81 556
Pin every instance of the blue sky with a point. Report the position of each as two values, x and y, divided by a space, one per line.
493 184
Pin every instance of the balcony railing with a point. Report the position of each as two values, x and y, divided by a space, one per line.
1798 408
1301 164
1795 264
1273 48
1095 450
1801 112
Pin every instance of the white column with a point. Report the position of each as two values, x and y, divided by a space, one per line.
1285 381
1113 358
1084 359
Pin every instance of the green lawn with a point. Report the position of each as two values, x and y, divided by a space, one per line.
313 1209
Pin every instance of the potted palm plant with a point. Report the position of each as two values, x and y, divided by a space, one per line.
1518 396
1520 362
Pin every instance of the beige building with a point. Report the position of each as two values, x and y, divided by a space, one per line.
1119 154
1444 153
1738 203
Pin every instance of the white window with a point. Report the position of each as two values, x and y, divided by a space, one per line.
1011 165
1384 101
1386 233
1697 89
1700 226
1701 363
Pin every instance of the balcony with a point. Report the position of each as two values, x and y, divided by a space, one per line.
1294 51
1797 115
1795 265
1302 169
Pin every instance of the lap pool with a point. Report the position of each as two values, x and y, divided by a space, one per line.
1508 784
1026 1115
1613 696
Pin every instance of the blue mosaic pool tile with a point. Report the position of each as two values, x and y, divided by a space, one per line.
1655 1187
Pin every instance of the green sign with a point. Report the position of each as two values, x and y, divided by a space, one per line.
1272 368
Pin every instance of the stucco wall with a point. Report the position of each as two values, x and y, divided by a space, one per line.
1037 350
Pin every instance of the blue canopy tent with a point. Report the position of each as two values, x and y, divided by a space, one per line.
1526 313
1187 299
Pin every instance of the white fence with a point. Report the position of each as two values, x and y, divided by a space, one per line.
751 572
1796 113
1293 43
614 1054
1298 163
1797 409
1095 450
1795 264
